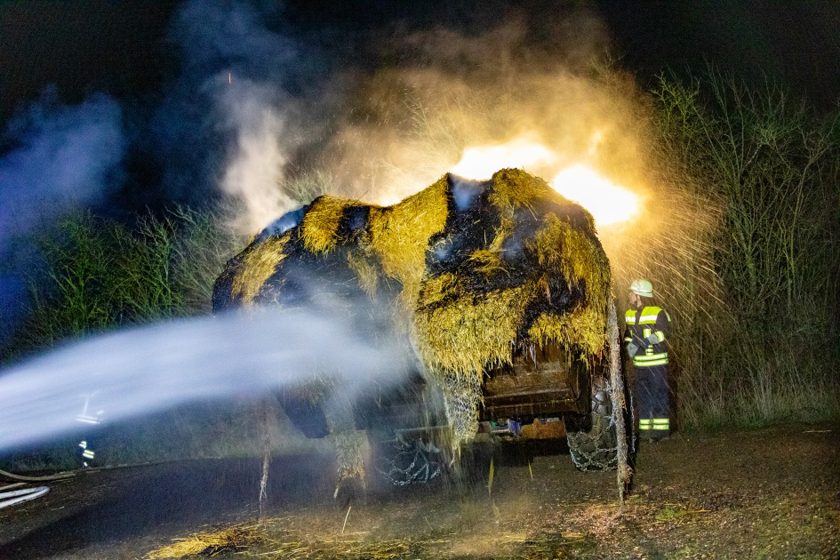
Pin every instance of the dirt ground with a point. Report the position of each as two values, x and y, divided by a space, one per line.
772 493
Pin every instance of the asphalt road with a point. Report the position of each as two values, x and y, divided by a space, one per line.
773 493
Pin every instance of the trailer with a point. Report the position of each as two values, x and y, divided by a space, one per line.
500 291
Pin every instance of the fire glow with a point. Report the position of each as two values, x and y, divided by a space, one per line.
480 162
608 202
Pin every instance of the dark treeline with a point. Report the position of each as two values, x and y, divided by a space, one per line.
760 342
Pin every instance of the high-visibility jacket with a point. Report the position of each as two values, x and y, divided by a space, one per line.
641 324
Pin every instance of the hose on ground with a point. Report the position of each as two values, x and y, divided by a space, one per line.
47 478
13 494
14 497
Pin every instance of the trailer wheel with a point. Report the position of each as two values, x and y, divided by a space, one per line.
592 440
405 462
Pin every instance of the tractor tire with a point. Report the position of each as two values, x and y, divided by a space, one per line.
592 440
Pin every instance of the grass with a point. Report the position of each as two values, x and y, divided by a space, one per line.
97 274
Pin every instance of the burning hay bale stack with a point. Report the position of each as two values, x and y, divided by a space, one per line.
466 272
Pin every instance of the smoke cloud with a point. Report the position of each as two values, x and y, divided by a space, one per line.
64 158
268 117
490 89
270 120
223 125
257 158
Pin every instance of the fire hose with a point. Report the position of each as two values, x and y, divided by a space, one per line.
10 497
18 492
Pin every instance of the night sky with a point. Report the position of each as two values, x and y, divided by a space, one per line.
122 47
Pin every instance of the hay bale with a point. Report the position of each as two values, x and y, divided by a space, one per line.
468 271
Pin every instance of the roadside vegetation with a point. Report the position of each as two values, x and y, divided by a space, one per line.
746 254
98 274
757 342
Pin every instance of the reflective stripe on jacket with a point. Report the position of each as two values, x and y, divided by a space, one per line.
641 324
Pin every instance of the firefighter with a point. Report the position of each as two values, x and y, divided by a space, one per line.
646 337
91 418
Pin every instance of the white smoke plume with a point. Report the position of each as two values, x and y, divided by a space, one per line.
240 70
257 157
383 128
64 158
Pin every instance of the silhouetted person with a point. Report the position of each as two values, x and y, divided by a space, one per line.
648 327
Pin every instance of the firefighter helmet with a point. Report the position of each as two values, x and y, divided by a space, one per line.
642 287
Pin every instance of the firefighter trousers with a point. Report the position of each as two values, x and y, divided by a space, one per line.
654 402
